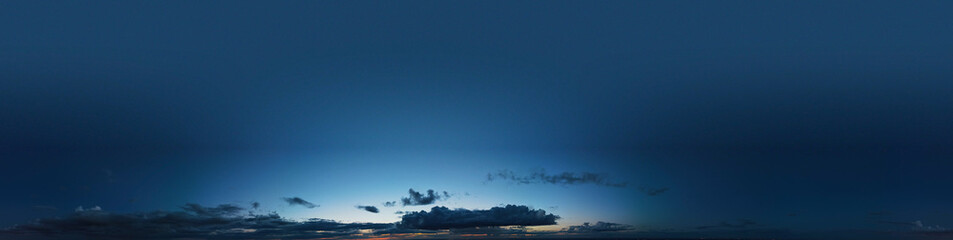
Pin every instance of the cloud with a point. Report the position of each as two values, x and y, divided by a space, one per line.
372 209
565 178
193 221
934 231
652 191
81 209
740 223
255 205
390 203
599 227
417 198
445 218
298 201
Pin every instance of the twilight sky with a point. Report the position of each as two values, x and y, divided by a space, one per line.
527 119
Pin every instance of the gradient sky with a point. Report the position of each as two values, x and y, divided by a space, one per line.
814 119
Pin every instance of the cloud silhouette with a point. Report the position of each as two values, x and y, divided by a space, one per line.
566 178
372 209
390 203
298 201
599 227
193 221
417 198
445 218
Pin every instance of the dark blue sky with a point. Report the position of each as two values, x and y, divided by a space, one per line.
810 119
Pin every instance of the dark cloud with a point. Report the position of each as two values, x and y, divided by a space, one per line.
445 218
736 224
652 191
390 203
255 205
193 221
298 201
565 178
417 198
599 227
372 209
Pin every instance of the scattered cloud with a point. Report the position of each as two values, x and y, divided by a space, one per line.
193 221
255 205
652 191
599 227
298 201
417 198
445 218
372 209
390 203
566 178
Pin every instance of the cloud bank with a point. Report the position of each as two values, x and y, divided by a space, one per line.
445 218
193 221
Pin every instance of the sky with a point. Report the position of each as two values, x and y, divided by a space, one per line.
526 119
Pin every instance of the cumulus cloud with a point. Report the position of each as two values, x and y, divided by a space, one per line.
740 223
566 178
445 218
390 203
652 191
193 221
599 227
372 209
417 198
298 201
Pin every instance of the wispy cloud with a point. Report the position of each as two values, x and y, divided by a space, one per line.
599 227
298 201
565 178
652 191
372 209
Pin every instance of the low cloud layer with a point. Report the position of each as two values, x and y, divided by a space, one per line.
599 227
445 218
564 178
298 201
417 198
192 221
372 209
